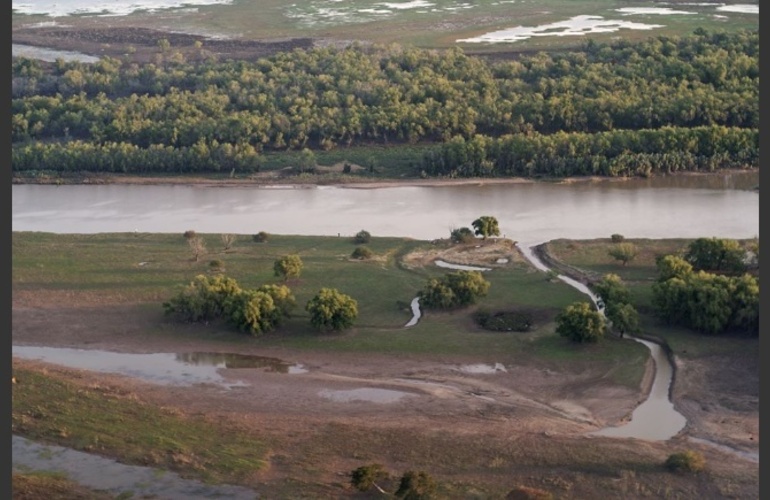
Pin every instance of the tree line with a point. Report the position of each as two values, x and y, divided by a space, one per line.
159 115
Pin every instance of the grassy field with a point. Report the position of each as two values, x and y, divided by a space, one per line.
639 275
145 269
433 23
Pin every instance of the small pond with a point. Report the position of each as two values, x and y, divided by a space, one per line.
159 368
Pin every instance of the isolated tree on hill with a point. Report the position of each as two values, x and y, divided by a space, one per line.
362 237
486 226
288 266
197 246
624 252
228 240
332 310
580 323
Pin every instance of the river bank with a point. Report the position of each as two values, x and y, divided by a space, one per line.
468 428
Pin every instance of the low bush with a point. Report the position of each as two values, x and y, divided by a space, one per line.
505 321
685 461
362 253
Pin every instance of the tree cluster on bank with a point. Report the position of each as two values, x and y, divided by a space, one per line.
257 311
715 297
176 116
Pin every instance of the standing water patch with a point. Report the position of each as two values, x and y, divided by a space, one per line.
158 368
101 473
372 395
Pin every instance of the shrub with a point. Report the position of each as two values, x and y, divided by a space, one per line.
366 476
260 237
362 253
685 461
190 234
514 321
362 237
617 238
527 493
216 264
462 235
416 485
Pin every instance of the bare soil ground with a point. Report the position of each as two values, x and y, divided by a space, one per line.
139 44
449 417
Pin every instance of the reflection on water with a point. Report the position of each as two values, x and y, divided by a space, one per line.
158 368
125 481
233 361
373 395
666 207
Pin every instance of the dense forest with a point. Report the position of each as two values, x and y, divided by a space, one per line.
660 105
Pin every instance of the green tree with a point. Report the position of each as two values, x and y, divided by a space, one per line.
624 318
468 286
580 323
283 299
288 266
462 235
486 226
306 162
671 266
624 252
260 237
417 485
252 311
332 310
361 237
365 477
716 255
612 290
457 289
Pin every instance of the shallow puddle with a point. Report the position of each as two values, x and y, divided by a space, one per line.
124 481
460 267
49 55
415 312
158 368
372 395
483 368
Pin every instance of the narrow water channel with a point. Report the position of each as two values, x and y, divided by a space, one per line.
655 419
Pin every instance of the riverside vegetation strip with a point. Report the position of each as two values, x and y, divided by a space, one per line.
97 279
